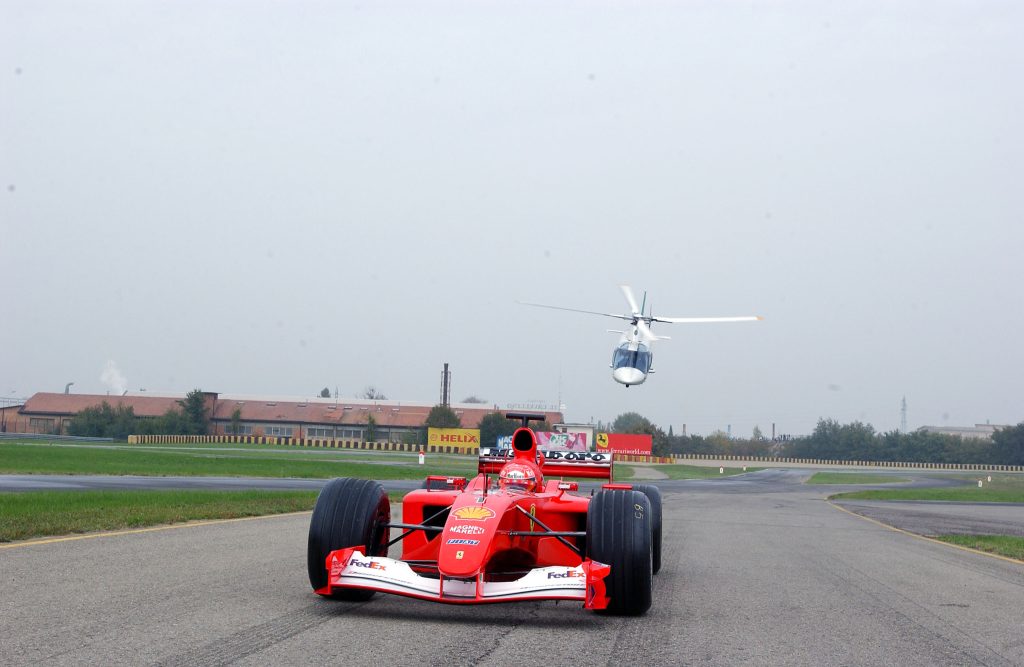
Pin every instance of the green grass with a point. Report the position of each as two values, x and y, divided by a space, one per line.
42 513
853 478
206 460
1010 546
1003 488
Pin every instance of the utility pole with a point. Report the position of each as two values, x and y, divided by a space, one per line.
903 415
446 386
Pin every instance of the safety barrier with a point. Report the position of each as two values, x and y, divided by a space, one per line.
619 458
853 464
380 446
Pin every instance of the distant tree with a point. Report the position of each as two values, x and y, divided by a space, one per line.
373 394
632 422
104 421
474 399
757 434
236 421
441 416
371 429
172 422
1008 445
196 419
325 393
493 426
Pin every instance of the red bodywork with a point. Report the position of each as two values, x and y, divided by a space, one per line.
494 544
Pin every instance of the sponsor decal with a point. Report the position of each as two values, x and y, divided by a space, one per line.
568 574
474 513
575 456
459 555
533 513
368 564
462 540
467 529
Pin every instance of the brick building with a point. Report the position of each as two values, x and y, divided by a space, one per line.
350 419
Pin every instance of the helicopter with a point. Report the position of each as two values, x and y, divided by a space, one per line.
632 357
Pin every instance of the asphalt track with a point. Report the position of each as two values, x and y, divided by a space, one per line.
756 570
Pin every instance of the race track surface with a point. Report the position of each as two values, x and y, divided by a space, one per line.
757 570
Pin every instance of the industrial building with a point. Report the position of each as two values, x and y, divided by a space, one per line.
350 419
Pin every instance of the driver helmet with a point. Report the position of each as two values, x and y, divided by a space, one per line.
518 477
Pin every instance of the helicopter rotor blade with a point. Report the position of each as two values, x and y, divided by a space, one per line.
646 335
577 310
627 291
694 320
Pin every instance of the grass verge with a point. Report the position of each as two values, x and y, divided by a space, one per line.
1004 488
853 478
1010 546
65 459
42 513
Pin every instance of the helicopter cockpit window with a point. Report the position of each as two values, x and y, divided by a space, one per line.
626 358
621 358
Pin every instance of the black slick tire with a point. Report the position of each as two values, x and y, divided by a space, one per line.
348 513
653 494
619 534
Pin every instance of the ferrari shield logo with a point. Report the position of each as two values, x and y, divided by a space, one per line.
459 555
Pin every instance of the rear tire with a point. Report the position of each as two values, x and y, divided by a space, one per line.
653 494
619 534
348 513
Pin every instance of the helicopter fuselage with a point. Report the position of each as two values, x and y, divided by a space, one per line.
631 361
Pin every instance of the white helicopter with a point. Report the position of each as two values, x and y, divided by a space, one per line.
632 358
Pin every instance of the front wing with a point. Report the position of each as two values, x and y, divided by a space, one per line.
349 568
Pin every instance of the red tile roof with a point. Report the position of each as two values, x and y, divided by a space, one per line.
353 412
72 404
320 411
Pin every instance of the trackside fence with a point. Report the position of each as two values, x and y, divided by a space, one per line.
619 458
299 442
772 460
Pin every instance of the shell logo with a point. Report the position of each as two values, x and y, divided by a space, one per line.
473 513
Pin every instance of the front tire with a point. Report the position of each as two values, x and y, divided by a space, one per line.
619 534
348 513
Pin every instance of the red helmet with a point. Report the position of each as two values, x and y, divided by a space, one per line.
517 476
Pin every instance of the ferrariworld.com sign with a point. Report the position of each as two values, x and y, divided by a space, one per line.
463 438
623 443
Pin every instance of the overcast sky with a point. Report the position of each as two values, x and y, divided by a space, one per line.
275 197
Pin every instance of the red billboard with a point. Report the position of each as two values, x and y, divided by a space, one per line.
624 443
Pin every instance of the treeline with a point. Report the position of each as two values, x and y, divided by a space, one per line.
105 421
853 442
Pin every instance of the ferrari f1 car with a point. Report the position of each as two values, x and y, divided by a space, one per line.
518 537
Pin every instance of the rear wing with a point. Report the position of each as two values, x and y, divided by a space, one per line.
592 465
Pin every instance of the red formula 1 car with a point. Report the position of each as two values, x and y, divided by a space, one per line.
484 540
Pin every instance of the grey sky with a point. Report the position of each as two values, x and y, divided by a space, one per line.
270 198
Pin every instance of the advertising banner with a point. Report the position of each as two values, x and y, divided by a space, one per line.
561 442
624 443
462 438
